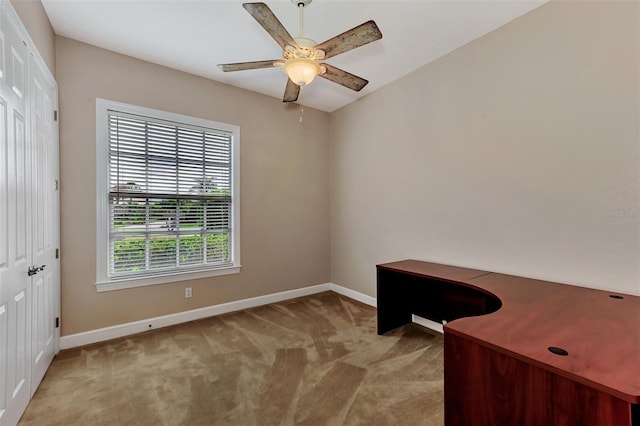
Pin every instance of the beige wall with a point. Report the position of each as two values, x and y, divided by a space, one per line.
517 153
37 23
284 186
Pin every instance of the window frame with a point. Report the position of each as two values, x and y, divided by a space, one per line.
104 282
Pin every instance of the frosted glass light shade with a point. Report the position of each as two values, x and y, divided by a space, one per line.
301 71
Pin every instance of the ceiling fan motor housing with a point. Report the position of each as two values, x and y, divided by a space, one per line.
305 50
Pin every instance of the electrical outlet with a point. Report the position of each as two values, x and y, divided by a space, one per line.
187 292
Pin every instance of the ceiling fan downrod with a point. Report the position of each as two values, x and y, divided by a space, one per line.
301 4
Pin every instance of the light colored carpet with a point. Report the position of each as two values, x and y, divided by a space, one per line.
316 360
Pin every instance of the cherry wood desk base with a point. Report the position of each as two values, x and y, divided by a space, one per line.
519 351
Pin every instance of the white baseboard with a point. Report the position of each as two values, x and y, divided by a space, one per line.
431 325
355 295
121 330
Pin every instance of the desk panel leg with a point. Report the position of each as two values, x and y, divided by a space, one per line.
485 387
394 301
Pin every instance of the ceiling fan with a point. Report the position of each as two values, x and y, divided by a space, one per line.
302 55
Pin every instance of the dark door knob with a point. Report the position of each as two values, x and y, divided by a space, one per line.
35 269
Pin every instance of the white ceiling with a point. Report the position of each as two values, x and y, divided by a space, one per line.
195 36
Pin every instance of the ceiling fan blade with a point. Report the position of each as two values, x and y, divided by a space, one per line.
291 92
344 78
349 40
241 66
270 23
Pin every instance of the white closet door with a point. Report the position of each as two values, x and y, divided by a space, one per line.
45 222
15 227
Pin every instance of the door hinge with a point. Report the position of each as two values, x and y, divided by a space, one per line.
57 322
55 115
57 253
57 184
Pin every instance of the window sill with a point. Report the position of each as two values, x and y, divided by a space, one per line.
124 283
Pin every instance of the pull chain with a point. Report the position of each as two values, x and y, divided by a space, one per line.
300 34
301 6
300 103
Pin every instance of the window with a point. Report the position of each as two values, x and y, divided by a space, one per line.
167 197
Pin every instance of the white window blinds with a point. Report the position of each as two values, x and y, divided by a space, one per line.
170 203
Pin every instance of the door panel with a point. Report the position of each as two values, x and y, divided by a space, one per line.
4 190
4 343
20 209
3 72
15 284
44 204
18 332
6 218
15 293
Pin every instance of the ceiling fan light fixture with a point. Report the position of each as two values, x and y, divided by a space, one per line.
301 71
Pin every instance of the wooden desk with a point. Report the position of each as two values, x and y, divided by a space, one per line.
499 369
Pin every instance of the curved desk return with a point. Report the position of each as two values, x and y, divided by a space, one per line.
519 351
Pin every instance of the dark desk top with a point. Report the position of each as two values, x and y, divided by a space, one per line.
600 333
